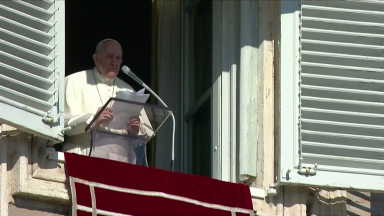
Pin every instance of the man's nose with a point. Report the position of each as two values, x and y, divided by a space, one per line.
114 61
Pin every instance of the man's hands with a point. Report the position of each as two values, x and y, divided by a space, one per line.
106 115
133 126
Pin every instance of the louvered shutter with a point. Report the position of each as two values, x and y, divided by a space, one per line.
332 93
32 64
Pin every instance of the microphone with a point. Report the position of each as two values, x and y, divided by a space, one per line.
130 73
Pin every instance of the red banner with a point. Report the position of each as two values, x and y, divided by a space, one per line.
105 187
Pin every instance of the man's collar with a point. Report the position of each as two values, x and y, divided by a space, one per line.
100 78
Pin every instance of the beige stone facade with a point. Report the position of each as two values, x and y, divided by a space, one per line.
31 184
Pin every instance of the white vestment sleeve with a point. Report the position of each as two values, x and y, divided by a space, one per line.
73 116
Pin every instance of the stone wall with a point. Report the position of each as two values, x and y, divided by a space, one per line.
30 183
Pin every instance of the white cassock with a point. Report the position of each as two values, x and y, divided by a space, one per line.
85 92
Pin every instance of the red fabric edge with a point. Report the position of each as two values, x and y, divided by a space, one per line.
150 179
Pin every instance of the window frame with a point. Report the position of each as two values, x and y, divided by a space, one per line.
223 128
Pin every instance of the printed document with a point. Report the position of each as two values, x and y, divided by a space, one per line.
124 111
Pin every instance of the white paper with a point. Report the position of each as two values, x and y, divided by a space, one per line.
123 112
141 91
132 96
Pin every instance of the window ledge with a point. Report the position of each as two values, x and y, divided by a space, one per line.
257 192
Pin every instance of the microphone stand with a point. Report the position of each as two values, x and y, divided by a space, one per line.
173 124
130 73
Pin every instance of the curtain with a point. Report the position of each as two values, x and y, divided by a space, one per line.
169 79
151 149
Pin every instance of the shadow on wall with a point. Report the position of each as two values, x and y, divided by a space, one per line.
365 204
23 157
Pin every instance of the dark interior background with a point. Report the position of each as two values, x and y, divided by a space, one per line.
127 21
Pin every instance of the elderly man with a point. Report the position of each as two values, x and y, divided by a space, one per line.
86 92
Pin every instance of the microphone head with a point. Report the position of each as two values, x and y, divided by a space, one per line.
126 69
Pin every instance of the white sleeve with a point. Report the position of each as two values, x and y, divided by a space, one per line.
73 116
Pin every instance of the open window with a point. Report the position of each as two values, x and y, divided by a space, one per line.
198 68
32 70
332 94
209 88
32 56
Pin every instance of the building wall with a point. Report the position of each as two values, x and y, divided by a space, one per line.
30 185
291 200
33 186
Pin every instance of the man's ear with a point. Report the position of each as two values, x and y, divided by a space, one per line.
95 58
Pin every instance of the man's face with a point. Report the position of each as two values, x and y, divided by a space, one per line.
109 59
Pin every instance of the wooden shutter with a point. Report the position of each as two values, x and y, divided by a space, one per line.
332 56
32 35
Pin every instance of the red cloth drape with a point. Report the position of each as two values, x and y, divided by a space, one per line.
144 184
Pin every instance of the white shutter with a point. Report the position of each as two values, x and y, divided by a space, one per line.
32 35
332 93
